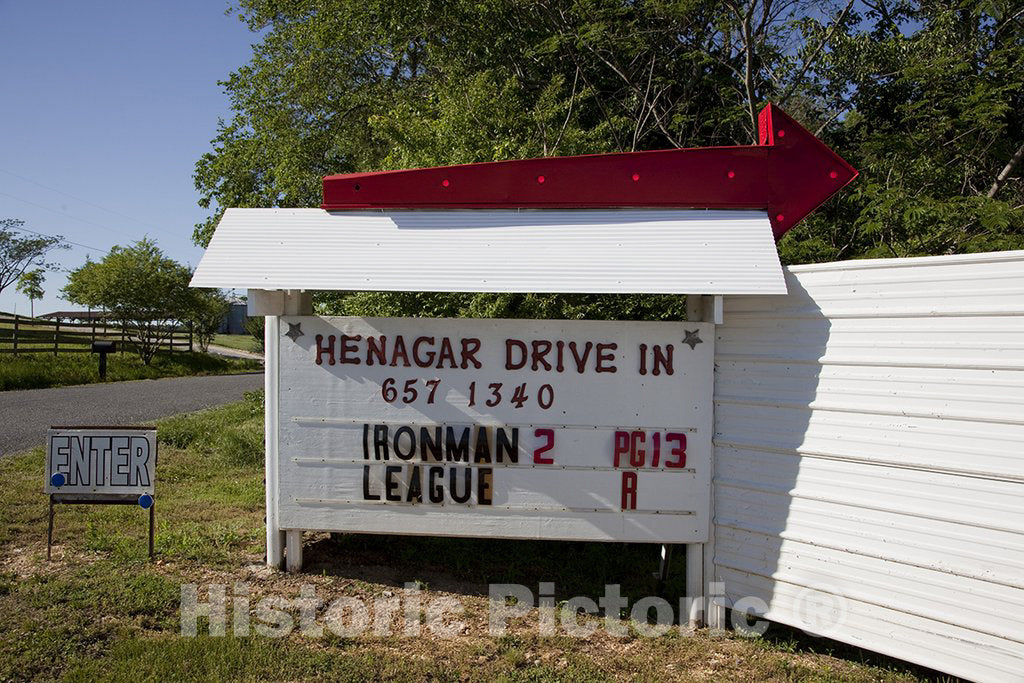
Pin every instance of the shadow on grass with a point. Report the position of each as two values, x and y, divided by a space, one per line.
467 565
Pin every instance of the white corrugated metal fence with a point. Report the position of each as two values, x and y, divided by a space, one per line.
869 457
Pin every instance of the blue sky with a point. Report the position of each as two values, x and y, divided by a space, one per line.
105 108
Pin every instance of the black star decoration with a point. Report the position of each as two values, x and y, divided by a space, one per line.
294 331
692 339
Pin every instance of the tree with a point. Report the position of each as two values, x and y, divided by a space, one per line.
206 312
18 254
344 85
31 285
934 95
140 287
256 326
926 99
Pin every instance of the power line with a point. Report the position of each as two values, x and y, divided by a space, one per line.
62 239
86 201
67 215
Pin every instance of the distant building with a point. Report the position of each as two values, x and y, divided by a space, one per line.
75 316
234 321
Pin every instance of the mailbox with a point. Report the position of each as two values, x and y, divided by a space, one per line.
103 348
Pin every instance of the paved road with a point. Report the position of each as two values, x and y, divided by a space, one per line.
25 415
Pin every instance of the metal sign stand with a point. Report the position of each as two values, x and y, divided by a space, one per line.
135 488
113 499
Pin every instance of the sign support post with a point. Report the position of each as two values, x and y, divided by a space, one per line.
293 550
695 586
700 557
49 533
275 538
272 304
58 499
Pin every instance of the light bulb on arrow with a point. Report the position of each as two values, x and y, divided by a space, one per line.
789 174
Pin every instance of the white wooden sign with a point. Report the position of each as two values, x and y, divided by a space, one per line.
500 428
86 461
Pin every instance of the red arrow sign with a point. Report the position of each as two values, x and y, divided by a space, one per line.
789 174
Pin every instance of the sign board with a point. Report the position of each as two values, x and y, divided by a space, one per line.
100 461
501 428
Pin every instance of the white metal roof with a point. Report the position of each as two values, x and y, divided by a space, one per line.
548 250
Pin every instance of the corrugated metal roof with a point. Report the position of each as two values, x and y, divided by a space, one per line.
623 250
869 457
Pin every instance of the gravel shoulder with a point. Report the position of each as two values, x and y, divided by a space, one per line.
233 353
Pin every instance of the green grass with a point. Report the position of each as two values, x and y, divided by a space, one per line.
242 342
238 659
39 370
101 611
232 433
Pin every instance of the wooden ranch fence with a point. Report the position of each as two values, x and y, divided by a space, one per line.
19 334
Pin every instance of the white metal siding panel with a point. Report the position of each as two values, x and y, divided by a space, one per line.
635 250
869 455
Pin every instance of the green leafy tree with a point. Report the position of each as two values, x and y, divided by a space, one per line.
206 311
932 96
20 253
256 326
924 98
140 287
31 285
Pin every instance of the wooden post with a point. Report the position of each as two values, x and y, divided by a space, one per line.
122 338
15 340
56 336
190 337
695 592
152 506
275 537
272 305
293 554
700 557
